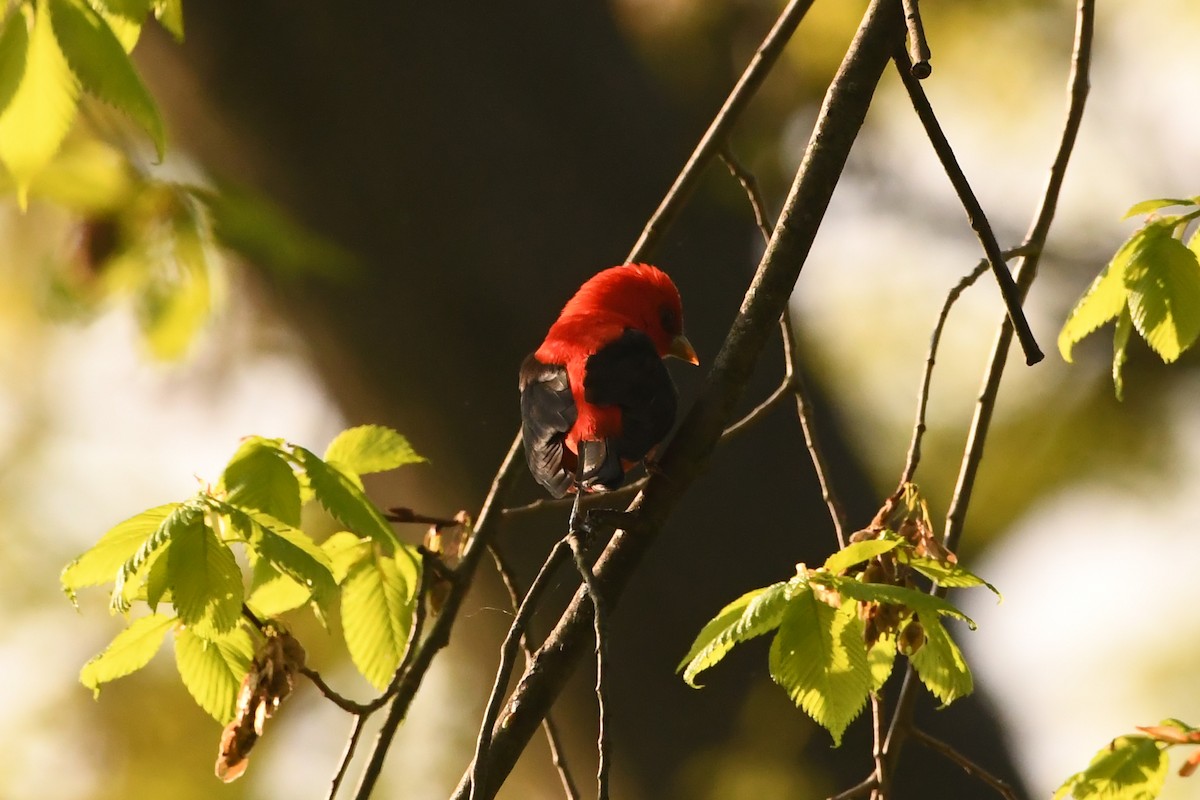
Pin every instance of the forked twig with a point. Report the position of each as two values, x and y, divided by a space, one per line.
918 45
966 195
970 767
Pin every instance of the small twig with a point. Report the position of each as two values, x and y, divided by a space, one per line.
405 515
360 721
792 379
587 501
881 767
868 784
253 619
714 138
979 222
914 448
759 411
970 767
553 738
918 46
508 654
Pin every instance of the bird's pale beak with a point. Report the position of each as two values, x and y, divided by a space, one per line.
681 348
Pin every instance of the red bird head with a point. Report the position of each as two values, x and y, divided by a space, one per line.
637 296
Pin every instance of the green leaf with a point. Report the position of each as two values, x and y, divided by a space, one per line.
951 575
177 303
345 501
377 613
131 650
1148 206
927 605
818 657
940 664
41 108
880 659
170 15
345 551
1130 768
1120 348
288 550
14 44
1102 301
205 581
857 553
370 448
751 615
259 477
134 10
213 669
125 587
273 593
101 563
1163 279
100 62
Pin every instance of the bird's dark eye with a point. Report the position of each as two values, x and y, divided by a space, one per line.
669 318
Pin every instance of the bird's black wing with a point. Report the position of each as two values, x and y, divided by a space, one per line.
629 373
547 413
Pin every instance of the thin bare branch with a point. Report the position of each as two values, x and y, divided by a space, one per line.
918 46
792 378
360 722
714 138
557 757
862 789
1078 83
588 501
969 766
599 629
914 448
979 222
407 515
508 653
759 411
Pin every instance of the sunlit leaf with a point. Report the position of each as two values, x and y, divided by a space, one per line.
212 669
1148 206
259 477
345 501
206 583
170 15
345 550
1130 768
881 658
1163 279
183 517
1120 351
818 657
927 605
131 650
272 593
1102 301
370 448
857 552
41 109
177 305
940 664
101 563
952 575
377 615
753 614
14 45
100 62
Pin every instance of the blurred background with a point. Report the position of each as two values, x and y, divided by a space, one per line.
412 190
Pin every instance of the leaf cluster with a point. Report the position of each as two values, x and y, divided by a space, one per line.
837 628
1151 285
1133 767
51 52
182 555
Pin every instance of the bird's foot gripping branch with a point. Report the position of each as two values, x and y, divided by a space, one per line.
838 628
232 650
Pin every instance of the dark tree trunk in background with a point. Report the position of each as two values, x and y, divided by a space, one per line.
483 159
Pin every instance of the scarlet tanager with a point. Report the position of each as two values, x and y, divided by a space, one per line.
595 397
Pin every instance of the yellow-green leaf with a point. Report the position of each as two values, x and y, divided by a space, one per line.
1163 280
1149 206
170 15
101 563
213 669
98 59
940 664
753 614
1120 348
205 581
1129 768
42 106
370 448
857 552
131 650
377 614
819 658
1102 301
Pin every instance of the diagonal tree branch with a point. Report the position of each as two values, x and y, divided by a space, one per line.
1026 271
841 117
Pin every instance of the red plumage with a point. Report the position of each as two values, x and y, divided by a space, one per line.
595 396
